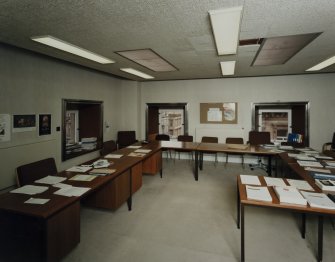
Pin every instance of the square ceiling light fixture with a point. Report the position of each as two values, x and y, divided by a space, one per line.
323 64
228 68
278 50
136 72
226 29
149 59
70 48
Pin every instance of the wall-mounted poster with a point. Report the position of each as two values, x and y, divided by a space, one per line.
44 124
218 113
4 127
23 123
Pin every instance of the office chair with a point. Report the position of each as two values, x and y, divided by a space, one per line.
164 137
184 138
209 139
329 148
125 138
27 174
234 140
108 147
255 139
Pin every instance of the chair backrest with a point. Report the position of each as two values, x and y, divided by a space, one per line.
234 140
27 174
259 138
209 139
126 138
162 137
108 147
185 138
333 142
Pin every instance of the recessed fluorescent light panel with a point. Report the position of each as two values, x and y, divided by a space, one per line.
67 47
323 64
228 67
278 50
148 59
136 72
226 29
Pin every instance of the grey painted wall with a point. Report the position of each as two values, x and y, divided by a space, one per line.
34 84
318 89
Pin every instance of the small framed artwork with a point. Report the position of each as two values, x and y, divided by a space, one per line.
44 124
23 123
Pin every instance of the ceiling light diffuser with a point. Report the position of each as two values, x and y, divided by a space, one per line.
228 67
70 48
136 72
226 29
323 64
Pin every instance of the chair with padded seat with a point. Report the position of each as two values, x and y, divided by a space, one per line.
28 173
108 147
164 137
184 138
237 141
209 139
125 138
257 138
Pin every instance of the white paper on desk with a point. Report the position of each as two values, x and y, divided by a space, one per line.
274 181
300 184
330 163
30 190
322 170
145 151
50 180
250 180
286 147
79 169
293 155
304 157
113 156
82 177
72 191
37 201
61 185
135 147
258 193
323 157
309 163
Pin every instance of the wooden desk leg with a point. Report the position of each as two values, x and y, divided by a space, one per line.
320 237
238 208
196 165
303 225
130 199
242 233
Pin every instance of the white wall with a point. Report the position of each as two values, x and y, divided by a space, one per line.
31 83
318 89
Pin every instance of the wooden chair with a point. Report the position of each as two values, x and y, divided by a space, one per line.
209 139
164 137
108 147
125 138
257 138
27 174
184 138
234 140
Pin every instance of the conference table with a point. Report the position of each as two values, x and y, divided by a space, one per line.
50 231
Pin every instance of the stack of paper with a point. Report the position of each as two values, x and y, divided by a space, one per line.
300 184
145 151
37 201
286 147
325 185
113 156
137 154
250 180
309 163
79 169
322 170
330 164
323 157
72 191
135 147
102 171
30 190
318 200
289 195
304 157
50 180
274 181
82 178
101 163
258 193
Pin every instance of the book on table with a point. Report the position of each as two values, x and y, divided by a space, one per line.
325 184
260 193
309 163
300 184
274 181
322 176
318 200
289 195
250 180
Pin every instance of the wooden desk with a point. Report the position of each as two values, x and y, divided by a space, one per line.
243 201
250 150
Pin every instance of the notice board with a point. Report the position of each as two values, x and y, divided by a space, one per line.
218 113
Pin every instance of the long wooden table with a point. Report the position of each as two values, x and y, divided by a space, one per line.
48 232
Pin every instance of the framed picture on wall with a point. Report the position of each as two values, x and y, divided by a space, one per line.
44 124
23 123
